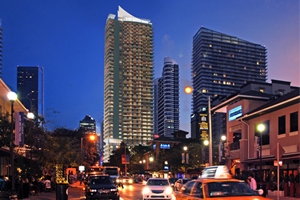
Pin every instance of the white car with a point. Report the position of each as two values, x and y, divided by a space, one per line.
158 188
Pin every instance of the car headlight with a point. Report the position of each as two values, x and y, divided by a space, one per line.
130 181
124 181
114 190
93 190
169 190
146 190
118 180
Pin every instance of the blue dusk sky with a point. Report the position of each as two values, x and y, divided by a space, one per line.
66 38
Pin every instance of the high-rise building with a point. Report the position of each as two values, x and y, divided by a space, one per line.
88 125
166 100
128 81
1 49
221 64
30 88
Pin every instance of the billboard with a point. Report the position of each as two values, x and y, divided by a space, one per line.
125 159
235 113
19 128
203 126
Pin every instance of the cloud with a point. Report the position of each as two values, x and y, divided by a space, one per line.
168 45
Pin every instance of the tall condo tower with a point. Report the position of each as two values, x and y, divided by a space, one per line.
221 64
30 88
1 49
128 81
166 100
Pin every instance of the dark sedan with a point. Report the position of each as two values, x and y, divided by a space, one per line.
101 187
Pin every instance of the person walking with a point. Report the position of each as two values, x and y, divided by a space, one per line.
252 182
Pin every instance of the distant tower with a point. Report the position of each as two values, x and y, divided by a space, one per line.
128 81
30 88
88 125
166 100
1 50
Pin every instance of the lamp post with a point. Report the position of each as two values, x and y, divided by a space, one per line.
223 139
12 98
30 116
189 90
185 160
260 128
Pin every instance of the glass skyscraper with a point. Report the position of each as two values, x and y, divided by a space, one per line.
166 100
128 81
221 64
30 88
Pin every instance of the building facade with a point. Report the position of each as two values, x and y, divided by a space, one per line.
166 100
128 81
276 106
1 34
30 88
221 64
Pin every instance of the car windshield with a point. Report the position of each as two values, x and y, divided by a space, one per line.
111 171
157 182
101 180
186 180
229 189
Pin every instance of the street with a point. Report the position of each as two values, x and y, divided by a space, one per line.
129 192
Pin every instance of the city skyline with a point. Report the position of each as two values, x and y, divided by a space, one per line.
67 39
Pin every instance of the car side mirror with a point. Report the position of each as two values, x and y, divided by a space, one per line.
260 192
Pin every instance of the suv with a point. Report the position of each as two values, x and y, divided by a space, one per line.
101 187
158 188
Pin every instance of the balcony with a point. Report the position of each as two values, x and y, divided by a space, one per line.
234 146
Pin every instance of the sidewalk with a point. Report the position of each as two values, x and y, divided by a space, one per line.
282 198
72 194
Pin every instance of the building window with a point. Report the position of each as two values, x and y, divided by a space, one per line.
294 122
281 125
265 134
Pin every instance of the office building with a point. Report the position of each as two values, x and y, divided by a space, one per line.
30 88
88 125
128 81
1 49
166 100
221 64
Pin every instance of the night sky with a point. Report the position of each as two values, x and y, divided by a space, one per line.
66 38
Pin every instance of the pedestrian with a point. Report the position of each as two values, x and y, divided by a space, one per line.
2 184
252 182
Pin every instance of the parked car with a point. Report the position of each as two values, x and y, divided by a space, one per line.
158 188
180 182
101 187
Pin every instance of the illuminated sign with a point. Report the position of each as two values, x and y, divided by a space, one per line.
235 113
165 146
154 146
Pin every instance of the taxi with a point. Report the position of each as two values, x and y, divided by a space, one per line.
216 183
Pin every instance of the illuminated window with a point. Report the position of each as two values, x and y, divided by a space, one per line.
210 45
261 90
204 91
224 82
215 74
224 75
257 63
245 67
210 66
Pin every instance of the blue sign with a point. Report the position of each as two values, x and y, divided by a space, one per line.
166 168
235 113
154 146
165 146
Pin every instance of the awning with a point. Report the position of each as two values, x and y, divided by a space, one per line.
292 156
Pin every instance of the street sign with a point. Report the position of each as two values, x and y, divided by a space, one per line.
125 159
274 151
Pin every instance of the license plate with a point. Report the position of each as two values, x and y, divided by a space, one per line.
103 191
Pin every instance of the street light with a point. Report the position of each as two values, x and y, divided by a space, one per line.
260 128
223 138
30 116
189 90
12 96
185 159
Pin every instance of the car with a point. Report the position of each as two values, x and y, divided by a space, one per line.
220 188
180 182
158 188
126 180
101 187
172 181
